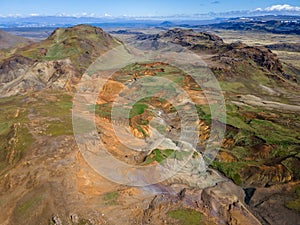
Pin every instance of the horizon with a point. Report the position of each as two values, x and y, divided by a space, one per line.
190 9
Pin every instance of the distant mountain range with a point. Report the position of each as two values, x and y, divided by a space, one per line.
272 24
59 21
65 21
280 24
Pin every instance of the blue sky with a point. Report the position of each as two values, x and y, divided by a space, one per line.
134 7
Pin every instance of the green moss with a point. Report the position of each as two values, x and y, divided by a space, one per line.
23 141
295 204
186 216
239 152
232 86
57 128
56 112
55 52
103 110
13 127
176 78
244 138
159 155
204 113
234 117
230 170
4 127
297 191
137 109
111 198
28 206
60 51
274 133
83 222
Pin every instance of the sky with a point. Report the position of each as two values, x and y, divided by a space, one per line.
149 8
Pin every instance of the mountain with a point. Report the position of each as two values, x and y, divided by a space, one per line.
276 25
46 178
260 151
8 40
57 62
202 41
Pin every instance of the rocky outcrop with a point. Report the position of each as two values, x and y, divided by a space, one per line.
190 38
239 52
58 74
225 201
196 41
221 204
261 176
290 47
268 203
14 67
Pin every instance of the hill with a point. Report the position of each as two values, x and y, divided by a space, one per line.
45 177
8 40
59 61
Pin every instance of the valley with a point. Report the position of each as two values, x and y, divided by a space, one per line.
51 109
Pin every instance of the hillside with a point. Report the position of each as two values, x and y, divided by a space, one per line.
8 40
57 62
46 178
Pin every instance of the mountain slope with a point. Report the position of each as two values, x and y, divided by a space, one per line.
8 40
44 178
58 61
260 151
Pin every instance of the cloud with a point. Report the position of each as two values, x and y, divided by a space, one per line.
107 15
215 2
278 8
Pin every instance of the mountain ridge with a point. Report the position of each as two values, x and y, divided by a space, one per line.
79 45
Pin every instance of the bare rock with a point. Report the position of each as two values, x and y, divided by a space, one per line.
56 220
225 201
74 218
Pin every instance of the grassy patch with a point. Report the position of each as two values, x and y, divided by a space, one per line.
230 170
295 204
239 152
15 137
273 133
27 206
103 110
137 109
159 155
232 86
14 150
111 198
3 127
186 216
204 113
58 113
83 222
243 138
57 128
